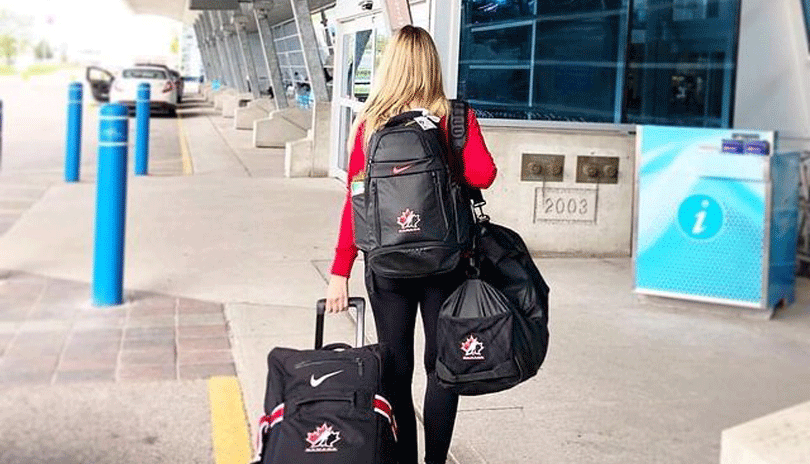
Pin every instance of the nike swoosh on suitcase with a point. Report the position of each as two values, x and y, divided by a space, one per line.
315 382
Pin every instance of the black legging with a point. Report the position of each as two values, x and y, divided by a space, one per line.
394 303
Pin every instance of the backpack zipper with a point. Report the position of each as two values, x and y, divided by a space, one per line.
438 189
376 215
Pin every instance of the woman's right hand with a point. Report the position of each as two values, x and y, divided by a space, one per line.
337 294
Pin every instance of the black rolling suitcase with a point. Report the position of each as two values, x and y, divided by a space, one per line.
327 405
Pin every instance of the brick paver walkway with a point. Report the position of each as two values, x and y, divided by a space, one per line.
51 334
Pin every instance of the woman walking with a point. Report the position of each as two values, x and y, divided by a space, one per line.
409 78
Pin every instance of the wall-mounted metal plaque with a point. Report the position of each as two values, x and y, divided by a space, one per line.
597 170
546 168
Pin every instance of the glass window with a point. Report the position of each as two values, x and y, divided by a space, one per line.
681 62
144 74
612 61
363 61
552 59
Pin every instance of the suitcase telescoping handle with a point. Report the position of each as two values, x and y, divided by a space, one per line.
359 304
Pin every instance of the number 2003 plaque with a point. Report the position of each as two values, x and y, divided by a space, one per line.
565 204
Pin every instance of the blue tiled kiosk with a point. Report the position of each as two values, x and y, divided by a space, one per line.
716 216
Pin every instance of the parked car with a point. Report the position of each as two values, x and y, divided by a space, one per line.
191 84
178 79
163 95
100 81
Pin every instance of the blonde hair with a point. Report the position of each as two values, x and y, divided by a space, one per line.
409 76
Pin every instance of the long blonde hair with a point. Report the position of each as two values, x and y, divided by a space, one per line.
409 76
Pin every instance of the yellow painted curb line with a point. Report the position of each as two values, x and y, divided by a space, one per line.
229 428
185 154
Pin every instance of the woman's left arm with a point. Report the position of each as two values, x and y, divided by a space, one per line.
479 168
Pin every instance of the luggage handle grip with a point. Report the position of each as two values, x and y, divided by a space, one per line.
359 305
335 346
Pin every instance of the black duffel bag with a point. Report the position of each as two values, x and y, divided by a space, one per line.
493 330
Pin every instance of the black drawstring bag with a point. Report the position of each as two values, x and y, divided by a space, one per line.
492 332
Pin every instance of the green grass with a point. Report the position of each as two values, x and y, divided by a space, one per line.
38 69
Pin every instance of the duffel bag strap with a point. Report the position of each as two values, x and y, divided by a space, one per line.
383 408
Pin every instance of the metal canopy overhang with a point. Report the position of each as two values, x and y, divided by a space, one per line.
180 11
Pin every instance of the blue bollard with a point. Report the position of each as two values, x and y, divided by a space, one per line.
73 152
111 202
142 130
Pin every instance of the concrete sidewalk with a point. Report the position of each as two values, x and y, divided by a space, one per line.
627 380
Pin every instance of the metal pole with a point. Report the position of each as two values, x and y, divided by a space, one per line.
111 202
271 58
142 113
73 151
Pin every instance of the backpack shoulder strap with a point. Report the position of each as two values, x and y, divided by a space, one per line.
457 130
457 125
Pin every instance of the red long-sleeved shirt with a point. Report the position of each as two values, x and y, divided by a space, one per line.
479 171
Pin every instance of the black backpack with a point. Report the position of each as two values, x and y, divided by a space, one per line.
411 215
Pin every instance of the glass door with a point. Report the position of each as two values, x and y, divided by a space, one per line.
360 43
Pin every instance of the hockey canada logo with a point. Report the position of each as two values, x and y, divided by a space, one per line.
322 439
472 348
408 221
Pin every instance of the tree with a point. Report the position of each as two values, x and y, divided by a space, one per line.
43 50
8 48
14 34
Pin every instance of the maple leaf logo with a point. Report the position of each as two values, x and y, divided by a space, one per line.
323 438
408 221
472 348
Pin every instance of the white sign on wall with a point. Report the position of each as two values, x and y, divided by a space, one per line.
397 14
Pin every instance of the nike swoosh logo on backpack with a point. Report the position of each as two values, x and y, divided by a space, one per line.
401 169
315 382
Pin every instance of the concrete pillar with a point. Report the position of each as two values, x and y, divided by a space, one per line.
205 50
224 49
318 157
219 37
270 56
202 45
232 49
210 45
309 45
255 48
239 22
